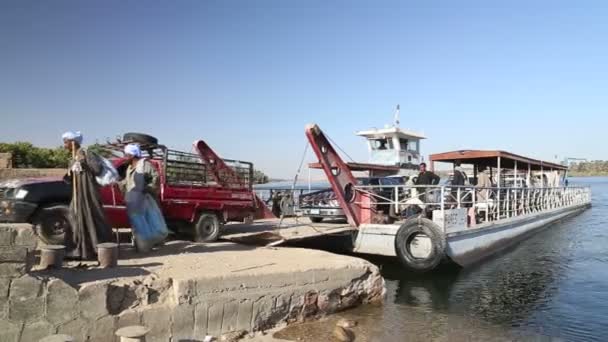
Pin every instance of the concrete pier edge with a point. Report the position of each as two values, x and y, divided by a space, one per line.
182 292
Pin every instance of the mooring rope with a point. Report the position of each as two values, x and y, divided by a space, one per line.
339 148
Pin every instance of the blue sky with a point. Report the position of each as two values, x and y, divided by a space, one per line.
246 76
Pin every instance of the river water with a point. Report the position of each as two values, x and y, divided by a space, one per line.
552 286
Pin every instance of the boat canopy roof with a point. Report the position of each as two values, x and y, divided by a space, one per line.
489 158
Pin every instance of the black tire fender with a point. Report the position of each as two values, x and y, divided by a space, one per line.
315 219
207 228
403 239
140 138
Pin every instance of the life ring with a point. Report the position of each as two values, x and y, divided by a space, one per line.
420 244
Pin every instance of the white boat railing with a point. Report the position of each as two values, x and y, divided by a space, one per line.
487 204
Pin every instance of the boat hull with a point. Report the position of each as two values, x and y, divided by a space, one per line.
467 246
470 246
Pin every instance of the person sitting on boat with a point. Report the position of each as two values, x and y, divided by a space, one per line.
460 176
382 145
458 179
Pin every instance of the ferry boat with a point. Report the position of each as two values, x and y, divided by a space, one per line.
428 225
394 159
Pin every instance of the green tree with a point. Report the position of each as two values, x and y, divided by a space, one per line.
100 150
259 177
26 155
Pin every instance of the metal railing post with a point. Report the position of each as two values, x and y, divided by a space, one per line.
397 200
442 201
498 203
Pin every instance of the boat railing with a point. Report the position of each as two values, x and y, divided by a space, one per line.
487 204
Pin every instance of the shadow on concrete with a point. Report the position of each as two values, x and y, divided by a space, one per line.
181 247
78 275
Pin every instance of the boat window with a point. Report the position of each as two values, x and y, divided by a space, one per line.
412 145
403 144
363 181
382 144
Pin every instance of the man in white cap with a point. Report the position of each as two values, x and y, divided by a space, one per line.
141 189
89 226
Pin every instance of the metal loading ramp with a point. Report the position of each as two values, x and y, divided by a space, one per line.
275 232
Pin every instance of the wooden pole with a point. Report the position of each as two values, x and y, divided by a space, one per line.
74 179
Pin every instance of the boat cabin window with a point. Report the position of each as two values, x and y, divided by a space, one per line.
412 146
408 145
382 144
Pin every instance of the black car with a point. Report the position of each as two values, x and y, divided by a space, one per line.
42 202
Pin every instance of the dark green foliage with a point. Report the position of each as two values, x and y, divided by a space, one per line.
259 177
99 150
26 155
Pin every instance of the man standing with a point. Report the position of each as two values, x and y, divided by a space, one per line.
141 188
484 183
89 226
426 177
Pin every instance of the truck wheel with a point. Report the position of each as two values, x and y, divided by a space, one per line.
420 245
316 219
207 228
51 223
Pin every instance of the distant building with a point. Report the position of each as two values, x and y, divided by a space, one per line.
6 160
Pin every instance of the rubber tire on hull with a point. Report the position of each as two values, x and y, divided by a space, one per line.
207 228
407 232
316 219
140 138
46 221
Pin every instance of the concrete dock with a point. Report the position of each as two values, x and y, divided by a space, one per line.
182 291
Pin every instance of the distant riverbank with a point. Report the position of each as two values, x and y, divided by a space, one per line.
588 174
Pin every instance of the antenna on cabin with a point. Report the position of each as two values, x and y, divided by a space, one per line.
396 123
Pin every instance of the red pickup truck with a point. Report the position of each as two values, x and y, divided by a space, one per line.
198 193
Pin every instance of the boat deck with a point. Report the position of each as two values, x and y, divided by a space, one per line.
274 231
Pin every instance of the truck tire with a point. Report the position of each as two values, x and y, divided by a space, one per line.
51 223
316 219
140 138
207 228
420 244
